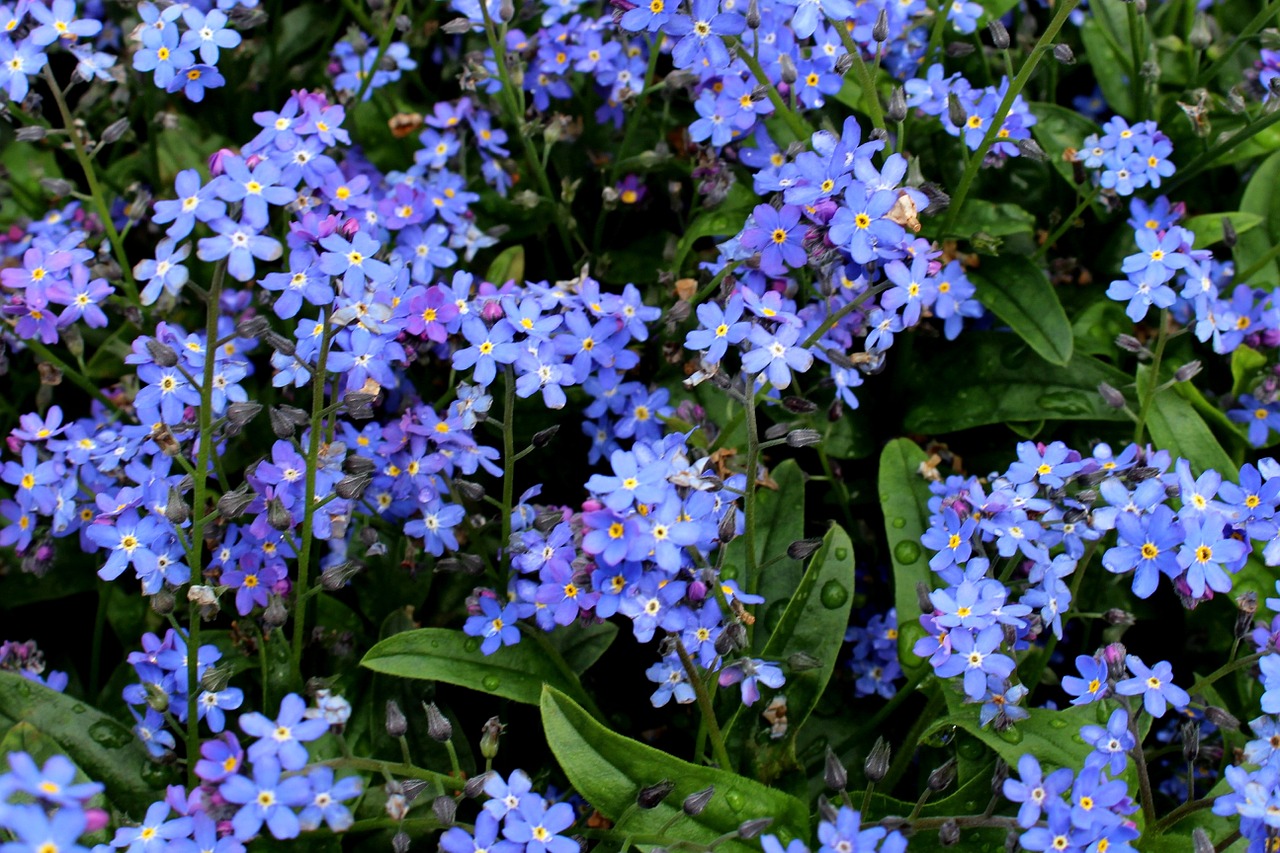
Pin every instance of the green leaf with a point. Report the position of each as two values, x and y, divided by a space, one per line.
1175 426
609 770
1058 129
1105 34
508 266
997 220
904 497
105 749
441 654
1000 379
1046 734
582 645
1261 199
1245 364
1095 328
814 623
1019 293
779 522
1208 227
726 220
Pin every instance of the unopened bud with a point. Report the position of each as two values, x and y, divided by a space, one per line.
475 786
282 426
472 491
162 602
506 11
56 186
438 725
1064 54
162 354
879 134
352 488
278 515
489 735
1190 733
397 724
279 343
216 678
801 661
1114 656
956 113
999 35
880 30
798 405
1111 396
400 842
336 577
727 529
998 776
896 110
444 808
542 438
1129 343
949 833
923 600
788 68
30 133
176 510
803 438
1187 371
834 773
651 797
1200 841
959 49
157 698
802 549
697 801
1222 718
1229 235
252 327
275 613
942 777
844 64
1118 617
358 405
1031 149
749 829
753 15
1200 37
876 767
240 414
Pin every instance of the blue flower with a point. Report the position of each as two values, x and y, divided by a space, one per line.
669 675
538 828
720 327
326 801
496 624
17 62
1111 744
777 354
208 33
976 657
1091 684
1155 684
266 799
156 832
1148 548
282 739
38 832
1034 790
194 80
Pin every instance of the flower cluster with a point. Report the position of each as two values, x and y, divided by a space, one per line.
184 60
44 807
1128 158
842 830
967 111
875 655
1084 811
515 819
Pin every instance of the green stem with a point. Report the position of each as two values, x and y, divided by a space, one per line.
1137 50
405 771
1224 670
1258 265
704 705
309 496
749 500
95 654
1149 396
1199 163
384 42
1140 762
508 459
1015 88
76 377
1257 23
798 125
95 188
865 80
1065 225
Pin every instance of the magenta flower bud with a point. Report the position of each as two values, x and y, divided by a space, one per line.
492 311
95 819
215 160
823 210
1114 656
697 590
592 505
350 228
282 587
623 5
15 444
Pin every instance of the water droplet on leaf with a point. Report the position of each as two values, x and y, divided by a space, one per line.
899 523
833 594
491 683
78 708
735 801
1058 723
109 734
1011 735
842 553
906 552
471 644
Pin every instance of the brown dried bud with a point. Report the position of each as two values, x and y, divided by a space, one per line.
834 773
651 796
396 722
438 725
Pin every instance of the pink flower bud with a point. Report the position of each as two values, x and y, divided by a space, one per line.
350 228
491 312
95 819
591 505
697 590
216 160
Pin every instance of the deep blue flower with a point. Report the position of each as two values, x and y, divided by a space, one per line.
1155 684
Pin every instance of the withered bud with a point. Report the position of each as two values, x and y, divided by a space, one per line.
803 437
413 788
959 49
203 595
1118 617
798 405
282 426
489 734
175 508
164 438
463 564
352 487
956 112
826 811
1111 395
438 725
999 35
444 808
1064 54
697 801
1189 731
1222 718
396 722
727 529
544 522
1229 235
1187 371
275 613
216 678
401 842
942 777
834 773
358 404
749 829
543 437
949 833
651 796
776 431
896 110
880 30
252 327
162 602
336 577
162 354
457 26
802 549
876 766
788 72
278 515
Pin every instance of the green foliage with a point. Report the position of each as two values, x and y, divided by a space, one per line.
1019 293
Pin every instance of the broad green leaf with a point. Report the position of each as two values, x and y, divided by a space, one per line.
1208 226
1095 328
994 9
850 437
726 220
105 749
1000 379
779 522
1260 198
582 645
1019 293
997 220
1232 434
904 497
609 770
508 266
1245 364
1058 129
1046 734
814 623
1105 34
441 654
1175 426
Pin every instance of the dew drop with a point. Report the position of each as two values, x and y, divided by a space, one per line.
906 552
435 644
109 734
842 553
23 689
833 594
899 523
773 615
490 683
1076 737
1058 723
735 801
970 748
78 708
471 644
1011 735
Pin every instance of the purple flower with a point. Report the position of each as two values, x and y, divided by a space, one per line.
748 672
1155 684
283 738
778 236
776 355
